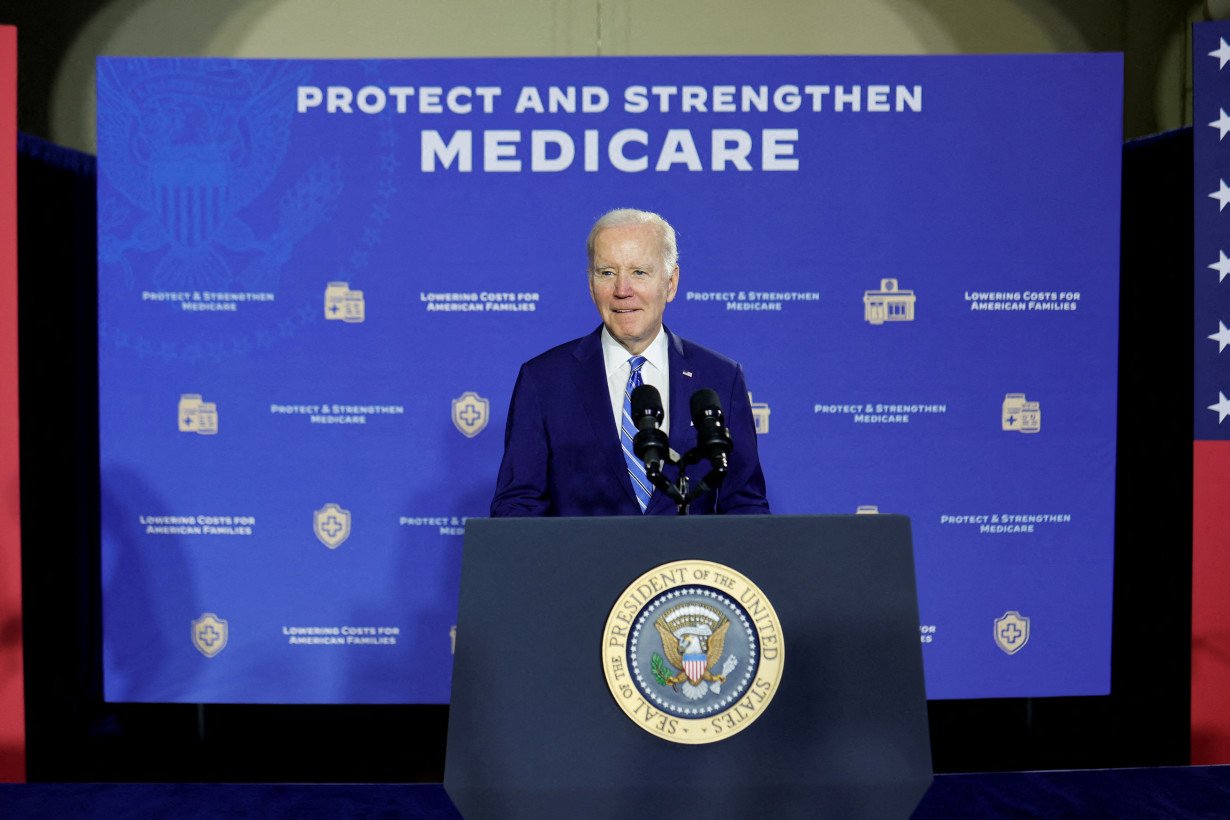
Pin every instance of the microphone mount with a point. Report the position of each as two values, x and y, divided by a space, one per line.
713 443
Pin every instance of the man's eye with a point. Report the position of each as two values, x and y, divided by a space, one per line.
641 273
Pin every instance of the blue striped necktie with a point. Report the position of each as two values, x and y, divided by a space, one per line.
627 431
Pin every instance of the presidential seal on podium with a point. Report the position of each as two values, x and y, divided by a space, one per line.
693 652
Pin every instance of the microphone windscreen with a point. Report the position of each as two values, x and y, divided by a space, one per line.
705 404
646 400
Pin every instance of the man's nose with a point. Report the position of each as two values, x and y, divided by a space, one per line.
623 284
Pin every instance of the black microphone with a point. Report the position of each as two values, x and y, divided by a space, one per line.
712 434
650 444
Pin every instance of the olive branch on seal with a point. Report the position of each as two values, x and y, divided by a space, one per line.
659 668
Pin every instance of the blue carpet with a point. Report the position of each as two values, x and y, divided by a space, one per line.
1180 791
1174 792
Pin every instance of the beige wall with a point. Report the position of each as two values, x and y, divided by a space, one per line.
1150 34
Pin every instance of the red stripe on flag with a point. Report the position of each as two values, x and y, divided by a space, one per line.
1210 602
12 690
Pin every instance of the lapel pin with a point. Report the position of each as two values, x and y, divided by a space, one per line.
688 373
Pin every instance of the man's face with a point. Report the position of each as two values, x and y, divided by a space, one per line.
629 284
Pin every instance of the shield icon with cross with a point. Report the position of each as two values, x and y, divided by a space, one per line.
1011 632
470 413
209 634
332 525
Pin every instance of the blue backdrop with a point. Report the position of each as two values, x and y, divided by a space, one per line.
318 279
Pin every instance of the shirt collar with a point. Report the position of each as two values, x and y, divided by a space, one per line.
615 355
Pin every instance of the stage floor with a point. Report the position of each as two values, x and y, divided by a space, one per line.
1196 791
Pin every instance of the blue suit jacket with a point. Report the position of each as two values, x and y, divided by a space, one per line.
561 449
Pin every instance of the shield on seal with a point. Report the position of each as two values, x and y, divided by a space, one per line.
470 413
1011 632
209 634
332 525
694 667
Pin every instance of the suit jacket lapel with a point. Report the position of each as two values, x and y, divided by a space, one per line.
589 376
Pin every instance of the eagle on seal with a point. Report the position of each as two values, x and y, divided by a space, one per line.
693 654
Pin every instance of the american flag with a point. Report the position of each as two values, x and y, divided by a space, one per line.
1210 720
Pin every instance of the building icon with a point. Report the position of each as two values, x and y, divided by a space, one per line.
760 415
888 304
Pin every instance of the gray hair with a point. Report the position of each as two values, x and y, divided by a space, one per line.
627 217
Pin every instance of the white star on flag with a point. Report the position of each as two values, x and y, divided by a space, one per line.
1222 53
1222 195
1222 407
1222 336
1222 124
1222 265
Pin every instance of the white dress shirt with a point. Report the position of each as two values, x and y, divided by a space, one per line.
655 371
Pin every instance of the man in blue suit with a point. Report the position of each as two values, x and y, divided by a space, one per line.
566 451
